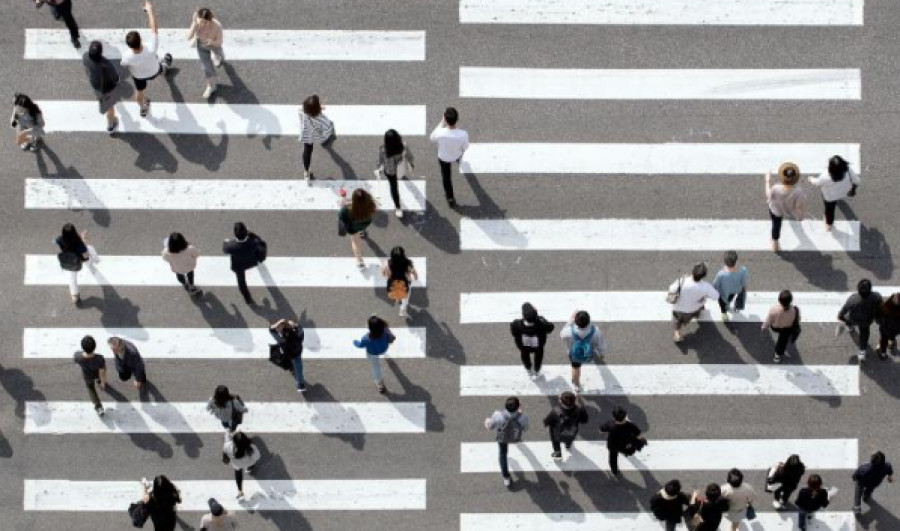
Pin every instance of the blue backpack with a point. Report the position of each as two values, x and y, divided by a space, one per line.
581 351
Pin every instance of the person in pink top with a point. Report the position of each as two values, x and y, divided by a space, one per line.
182 258
784 199
784 319
206 32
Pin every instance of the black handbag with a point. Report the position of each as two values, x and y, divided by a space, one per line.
342 227
138 513
237 417
69 261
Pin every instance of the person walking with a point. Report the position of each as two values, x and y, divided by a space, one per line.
104 79
731 283
93 370
376 342
784 199
354 218
810 499
668 504
62 10
563 422
161 498
740 498
141 60
240 452
688 297
217 519
400 273
868 477
888 324
395 161
452 142
788 475
530 335
623 437
288 335
838 183
315 127
705 512
510 424
182 259
247 251
583 341
129 362
228 408
784 319
858 314
207 35
73 252
28 121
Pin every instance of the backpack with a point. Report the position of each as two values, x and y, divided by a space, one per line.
568 428
278 358
262 248
511 431
138 513
581 351
69 261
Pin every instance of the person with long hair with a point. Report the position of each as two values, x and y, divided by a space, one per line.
314 127
73 251
376 342
355 217
888 324
784 319
104 79
240 452
395 160
226 407
784 199
810 499
182 259
161 498
788 475
28 121
400 273
206 32
838 183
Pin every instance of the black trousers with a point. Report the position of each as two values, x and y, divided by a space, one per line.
242 284
613 461
186 280
446 171
829 211
307 156
783 493
776 225
526 359
395 190
239 478
784 337
64 12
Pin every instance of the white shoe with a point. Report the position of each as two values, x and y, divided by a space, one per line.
399 213
208 92
507 482
861 356
217 61
240 496
777 505
530 374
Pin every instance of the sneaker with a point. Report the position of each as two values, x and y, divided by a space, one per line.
100 411
196 292
725 317
776 246
532 375
507 482
381 388
398 213
218 62
25 146
308 176
861 356
111 128
777 358
777 505
145 108
360 264
557 456
578 388
537 374
208 91
302 388
240 496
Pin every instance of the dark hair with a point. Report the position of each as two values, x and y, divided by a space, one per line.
672 487
398 260
837 168
785 298
240 230
70 240
311 106
221 396
362 206
713 492
95 51
735 477
451 116
204 13
793 461
619 414
529 313
133 40
814 481
567 399
512 404
164 492
864 287
377 326
730 258
878 458
699 271
243 445
891 306
26 103
177 243
393 143
582 319
88 344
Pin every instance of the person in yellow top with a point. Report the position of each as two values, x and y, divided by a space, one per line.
206 32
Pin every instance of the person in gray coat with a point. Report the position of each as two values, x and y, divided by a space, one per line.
228 408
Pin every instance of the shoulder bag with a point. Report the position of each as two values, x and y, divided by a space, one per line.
673 296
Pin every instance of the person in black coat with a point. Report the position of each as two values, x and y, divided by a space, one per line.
161 498
789 475
563 421
247 251
289 337
810 499
104 79
668 504
710 507
624 438
530 334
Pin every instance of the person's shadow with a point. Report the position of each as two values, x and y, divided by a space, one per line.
115 311
282 307
145 441
874 252
259 121
318 393
20 387
152 155
191 442
879 515
434 419
347 171
101 216
442 344
196 148
271 467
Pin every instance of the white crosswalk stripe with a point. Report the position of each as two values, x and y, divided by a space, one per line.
209 194
654 84
58 418
216 343
666 455
261 495
230 118
664 380
245 45
651 159
281 271
610 521
653 235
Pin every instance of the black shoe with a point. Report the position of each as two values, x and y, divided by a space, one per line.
76 43
363 234
250 301
451 202
167 60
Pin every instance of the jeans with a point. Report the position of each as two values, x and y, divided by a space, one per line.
829 211
242 284
613 461
864 331
395 191
526 359
307 156
861 492
92 391
776 225
375 362
206 59
446 170
784 337
64 12
803 519
503 455
297 363
239 478
186 280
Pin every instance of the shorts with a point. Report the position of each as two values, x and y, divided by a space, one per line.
684 318
574 364
141 84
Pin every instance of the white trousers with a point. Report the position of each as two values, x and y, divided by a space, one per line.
93 258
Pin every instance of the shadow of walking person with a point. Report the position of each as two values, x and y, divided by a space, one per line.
259 121
874 252
434 419
101 216
271 467
145 441
20 387
318 393
196 148
191 442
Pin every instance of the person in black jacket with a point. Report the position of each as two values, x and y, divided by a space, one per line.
624 438
563 421
247 251
289 336
710 507
62 10
868 476
858 314
668 504
530 334
789 475
104 79
811 498
160 498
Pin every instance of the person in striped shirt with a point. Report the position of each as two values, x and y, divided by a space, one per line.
314 127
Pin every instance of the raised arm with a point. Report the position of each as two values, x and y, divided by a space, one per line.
151 17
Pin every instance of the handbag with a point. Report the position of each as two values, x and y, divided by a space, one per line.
342 224
237 417
69 261
278 358
673 296
138 513
693 519
751 512
404 168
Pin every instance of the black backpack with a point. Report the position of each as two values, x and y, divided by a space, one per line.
69 261
262 249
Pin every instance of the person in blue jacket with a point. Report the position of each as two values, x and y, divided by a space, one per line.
376 343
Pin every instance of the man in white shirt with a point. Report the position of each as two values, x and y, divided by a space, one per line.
451 143
693 292
141 60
